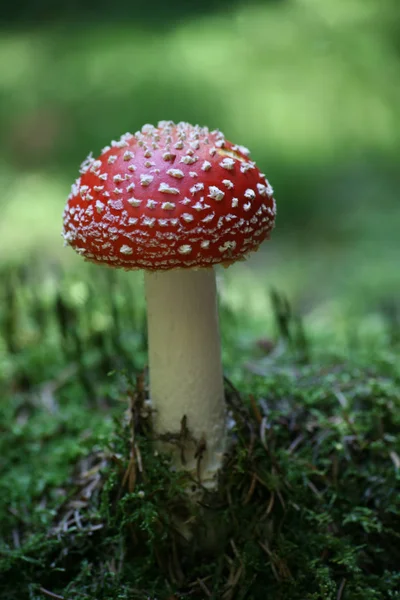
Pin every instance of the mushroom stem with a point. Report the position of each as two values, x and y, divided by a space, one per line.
186 378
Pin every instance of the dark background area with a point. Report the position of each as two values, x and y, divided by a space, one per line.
152 14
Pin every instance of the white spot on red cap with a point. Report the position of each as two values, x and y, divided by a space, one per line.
111 159
148 221
145 180
227 163
86 164
188 160
168 205
185 249
177 173
208 218
134 202
99 206
200 206
126 250
244 167
243 150
116 204
166 189
69 236
187 217
148 128
197 187
250 194
96 164
215 193
262 189
228 245
228 183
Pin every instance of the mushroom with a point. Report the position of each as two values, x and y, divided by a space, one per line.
175 200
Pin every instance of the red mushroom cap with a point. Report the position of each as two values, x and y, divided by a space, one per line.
168 197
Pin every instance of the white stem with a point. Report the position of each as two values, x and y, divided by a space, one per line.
185 364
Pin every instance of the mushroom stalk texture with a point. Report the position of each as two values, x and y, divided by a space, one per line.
186 378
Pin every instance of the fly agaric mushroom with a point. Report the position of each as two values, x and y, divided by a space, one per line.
175 200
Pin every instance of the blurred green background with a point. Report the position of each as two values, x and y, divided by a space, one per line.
312 87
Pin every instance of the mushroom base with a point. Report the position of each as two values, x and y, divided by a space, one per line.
186 377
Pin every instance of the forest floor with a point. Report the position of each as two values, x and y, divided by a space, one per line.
308 506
